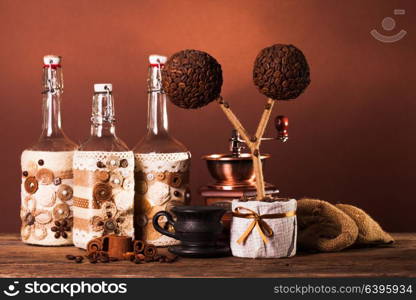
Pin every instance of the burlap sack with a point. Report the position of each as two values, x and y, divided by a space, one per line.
369 231
323 227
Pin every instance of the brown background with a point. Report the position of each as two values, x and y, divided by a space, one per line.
352 133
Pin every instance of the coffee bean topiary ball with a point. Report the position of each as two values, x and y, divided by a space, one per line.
281 72
192 79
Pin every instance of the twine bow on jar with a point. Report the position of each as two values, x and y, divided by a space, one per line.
262 227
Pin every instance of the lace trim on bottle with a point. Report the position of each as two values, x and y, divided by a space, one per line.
91 160
161 162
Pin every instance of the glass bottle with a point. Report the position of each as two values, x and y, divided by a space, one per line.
162 163
104 177
47 177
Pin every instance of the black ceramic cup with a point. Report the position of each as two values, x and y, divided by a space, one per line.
195 226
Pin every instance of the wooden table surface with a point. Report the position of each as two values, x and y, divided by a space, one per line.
20 260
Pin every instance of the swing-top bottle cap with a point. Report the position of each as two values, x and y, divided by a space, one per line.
156 59
52 60
103 87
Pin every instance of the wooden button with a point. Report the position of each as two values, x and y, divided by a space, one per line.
61 211
124 163
41 162
102 192
45 176
103 176
31 185
65 192
116 180
176 180
161 176
25 173
113 162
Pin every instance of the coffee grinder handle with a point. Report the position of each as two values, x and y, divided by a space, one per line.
170 221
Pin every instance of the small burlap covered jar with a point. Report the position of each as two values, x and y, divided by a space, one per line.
264 229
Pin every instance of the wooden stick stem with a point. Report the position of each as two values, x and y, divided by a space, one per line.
254 142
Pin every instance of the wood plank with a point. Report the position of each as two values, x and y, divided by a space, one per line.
398 260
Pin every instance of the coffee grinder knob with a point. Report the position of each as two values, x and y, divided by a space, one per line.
282 124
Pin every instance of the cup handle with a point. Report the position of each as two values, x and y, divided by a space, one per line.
170 221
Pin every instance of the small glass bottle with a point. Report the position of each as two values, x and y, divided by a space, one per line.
162 163
103 177
47 177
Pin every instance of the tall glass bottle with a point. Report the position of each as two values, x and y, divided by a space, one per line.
103 177
47 177
162 163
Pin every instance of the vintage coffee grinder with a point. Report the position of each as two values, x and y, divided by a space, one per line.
234 172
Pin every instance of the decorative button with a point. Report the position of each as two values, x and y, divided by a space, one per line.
116 180
57 181
41 162
45 176
61 211
102 192
43 217
124 163
177 194
176 180
110 225
39 232
65 192
31 185
128 184
150 176
25 173
161 176
113 162
102 176
100 164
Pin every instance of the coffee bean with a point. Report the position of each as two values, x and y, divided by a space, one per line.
70 257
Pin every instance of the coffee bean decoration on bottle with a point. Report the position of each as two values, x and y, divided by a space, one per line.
192 79
281 72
